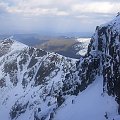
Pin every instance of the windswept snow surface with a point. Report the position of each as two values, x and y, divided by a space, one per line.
85 42
18 46
91 104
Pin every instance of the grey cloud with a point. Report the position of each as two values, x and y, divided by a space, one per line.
74 22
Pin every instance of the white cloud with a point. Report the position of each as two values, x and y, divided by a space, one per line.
34 8
59 7
37 11
96 7
62 13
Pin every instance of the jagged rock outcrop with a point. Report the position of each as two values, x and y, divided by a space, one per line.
102 58
106 45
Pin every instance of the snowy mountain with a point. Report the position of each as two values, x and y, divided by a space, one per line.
39 85
30 80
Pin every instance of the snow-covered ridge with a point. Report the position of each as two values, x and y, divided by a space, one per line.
10 45
113 24
30 79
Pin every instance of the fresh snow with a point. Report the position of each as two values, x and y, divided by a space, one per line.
91 104
15 47
115 23
18 46
85 42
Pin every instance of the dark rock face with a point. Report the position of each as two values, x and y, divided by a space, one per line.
11 69
17 110
43 72
111 65
2 82
83 75
46 68
106 42
102 58
6 44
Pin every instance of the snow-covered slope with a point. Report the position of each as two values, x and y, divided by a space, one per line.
38 85
30 80
91 104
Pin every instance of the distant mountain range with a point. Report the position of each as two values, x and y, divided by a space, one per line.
64 45
34 39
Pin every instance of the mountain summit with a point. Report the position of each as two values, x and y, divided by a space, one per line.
39 85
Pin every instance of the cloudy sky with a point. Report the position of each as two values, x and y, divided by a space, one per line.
34 16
